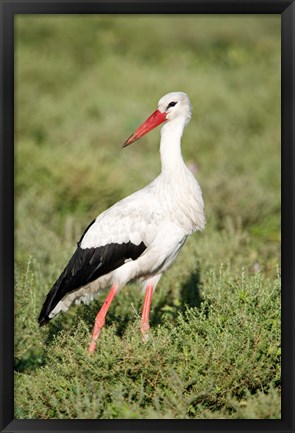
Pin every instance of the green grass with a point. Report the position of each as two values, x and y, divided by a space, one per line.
82 85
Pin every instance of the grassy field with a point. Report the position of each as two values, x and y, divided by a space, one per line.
82 85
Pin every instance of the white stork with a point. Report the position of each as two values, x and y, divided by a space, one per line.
139 237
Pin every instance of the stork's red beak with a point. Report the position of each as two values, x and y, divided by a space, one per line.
154 120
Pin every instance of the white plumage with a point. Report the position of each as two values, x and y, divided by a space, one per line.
153 223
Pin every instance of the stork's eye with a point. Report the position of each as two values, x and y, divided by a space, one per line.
171 104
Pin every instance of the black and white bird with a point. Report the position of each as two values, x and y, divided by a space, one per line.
139 237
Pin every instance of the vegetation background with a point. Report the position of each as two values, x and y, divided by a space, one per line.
83 84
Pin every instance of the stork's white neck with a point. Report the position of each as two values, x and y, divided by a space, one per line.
170 148
180 191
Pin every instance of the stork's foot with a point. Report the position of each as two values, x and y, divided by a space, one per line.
98 324
145 328
144 324
100 318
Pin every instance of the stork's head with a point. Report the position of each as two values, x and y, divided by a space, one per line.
174 105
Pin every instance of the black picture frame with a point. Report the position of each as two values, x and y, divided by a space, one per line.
8 10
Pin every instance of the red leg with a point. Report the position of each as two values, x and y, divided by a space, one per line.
144 325
100 318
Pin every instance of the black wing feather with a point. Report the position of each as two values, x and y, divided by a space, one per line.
85 266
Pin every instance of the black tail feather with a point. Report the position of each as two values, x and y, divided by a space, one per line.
50 302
